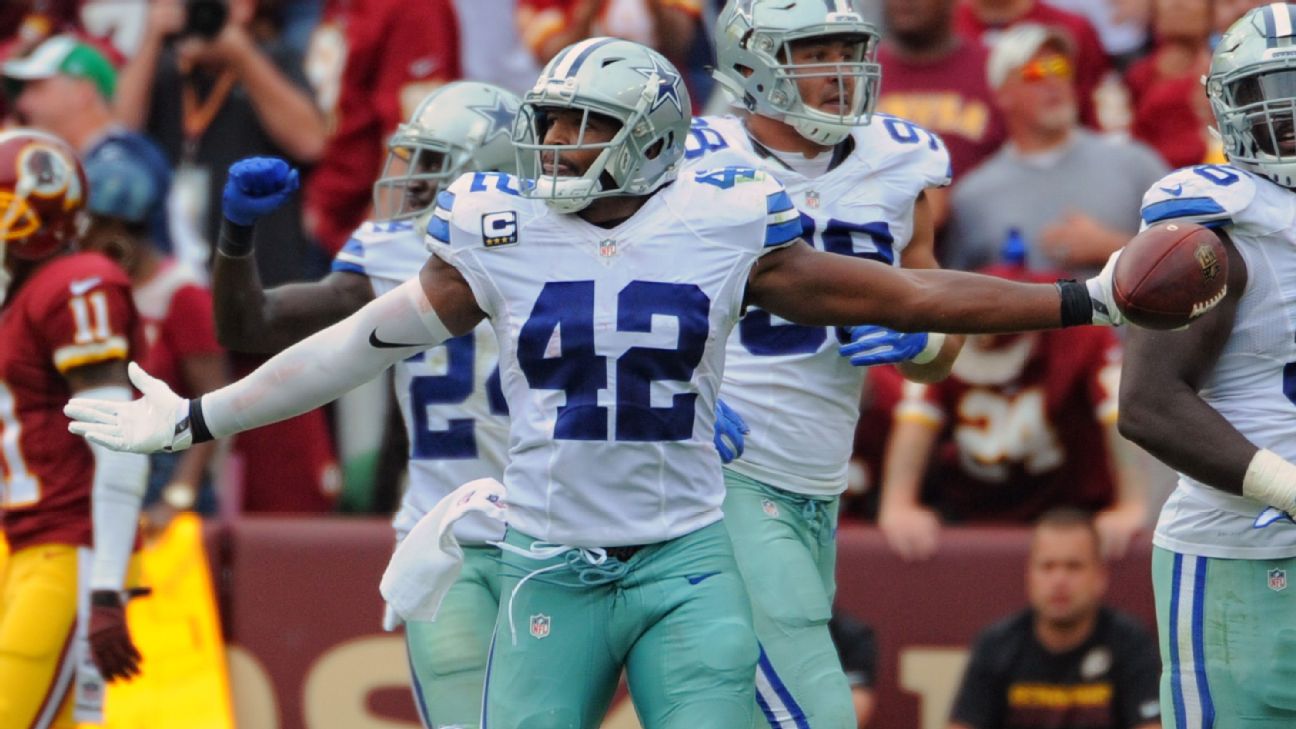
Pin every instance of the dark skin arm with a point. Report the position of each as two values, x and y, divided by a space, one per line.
251 319
814 288
1159 400
921 253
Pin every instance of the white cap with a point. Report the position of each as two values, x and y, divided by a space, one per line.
1019 44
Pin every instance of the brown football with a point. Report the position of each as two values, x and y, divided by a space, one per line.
1170 274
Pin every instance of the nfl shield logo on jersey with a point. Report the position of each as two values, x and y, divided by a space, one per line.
539 625
1277 579
607 248
812 200
771 508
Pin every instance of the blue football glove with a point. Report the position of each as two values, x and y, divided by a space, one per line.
729 430
256 186
873 345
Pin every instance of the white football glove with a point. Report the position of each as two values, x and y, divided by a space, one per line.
1105 311
159 421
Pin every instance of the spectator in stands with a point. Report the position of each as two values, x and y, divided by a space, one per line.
986 20
126 193
1073 195
1122 25
370 64
669 26
856 645
491 51
1024 423
65 87
1067 661
937 79
211 101
1171 113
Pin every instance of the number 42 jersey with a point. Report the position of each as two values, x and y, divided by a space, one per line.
798 395
612 344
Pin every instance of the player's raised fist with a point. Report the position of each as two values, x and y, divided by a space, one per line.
257 186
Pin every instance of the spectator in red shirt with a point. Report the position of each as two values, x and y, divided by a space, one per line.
370 63
1023 424
937 79
1170 109
983 20
174 306
669 26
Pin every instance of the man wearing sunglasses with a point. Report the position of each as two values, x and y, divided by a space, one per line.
1070 193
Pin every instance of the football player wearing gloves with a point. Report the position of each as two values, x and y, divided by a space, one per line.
806 79
1217 402
611 282
68 511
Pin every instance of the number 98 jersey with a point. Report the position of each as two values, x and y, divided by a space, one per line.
800 397
449 395
612 344
1253 384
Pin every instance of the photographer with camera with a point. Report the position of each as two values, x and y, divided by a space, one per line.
211 92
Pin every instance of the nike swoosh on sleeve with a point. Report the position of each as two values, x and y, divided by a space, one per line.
80 287
1177 190
377 343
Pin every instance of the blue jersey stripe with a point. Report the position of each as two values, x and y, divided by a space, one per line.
1187 207
445 200
767 668
777 202
777 235
439 229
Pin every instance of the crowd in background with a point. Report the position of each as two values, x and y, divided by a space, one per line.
1051 154
1050 161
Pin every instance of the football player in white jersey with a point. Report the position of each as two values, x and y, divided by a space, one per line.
449 396
1217 402
612 284
806 76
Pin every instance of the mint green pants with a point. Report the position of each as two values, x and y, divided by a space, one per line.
1227 630
448 657
786 548
675 616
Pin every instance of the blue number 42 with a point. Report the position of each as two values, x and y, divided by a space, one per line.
565 309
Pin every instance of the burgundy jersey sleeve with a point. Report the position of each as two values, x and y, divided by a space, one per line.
190 324
87 314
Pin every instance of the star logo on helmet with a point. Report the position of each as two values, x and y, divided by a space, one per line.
668 82
500 118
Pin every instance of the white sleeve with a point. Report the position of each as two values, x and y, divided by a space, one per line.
329 363
115 497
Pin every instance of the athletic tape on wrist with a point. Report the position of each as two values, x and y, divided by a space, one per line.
935 341
1271 479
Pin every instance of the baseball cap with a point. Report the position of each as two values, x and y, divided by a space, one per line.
66 55
123 185
1017 45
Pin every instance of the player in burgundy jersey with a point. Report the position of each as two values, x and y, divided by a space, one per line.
68 326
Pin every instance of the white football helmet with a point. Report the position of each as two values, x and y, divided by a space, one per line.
1252 90
754 39
463 126
614 78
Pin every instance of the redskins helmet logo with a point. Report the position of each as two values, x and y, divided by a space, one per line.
44 172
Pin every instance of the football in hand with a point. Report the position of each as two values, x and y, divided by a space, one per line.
1170 274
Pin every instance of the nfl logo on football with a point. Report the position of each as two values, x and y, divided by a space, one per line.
1277 580
539 626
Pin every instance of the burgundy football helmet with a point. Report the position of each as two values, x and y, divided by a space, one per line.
42 189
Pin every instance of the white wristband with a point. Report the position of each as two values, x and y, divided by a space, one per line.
1271 479
935 341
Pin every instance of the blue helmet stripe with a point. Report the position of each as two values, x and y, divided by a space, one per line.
576 64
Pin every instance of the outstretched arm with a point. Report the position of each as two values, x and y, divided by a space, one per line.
822 289
416 315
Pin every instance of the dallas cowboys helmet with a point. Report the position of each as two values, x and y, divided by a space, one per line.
614 78
1252 90
753 40
460 127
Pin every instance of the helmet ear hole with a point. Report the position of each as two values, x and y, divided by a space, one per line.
656 148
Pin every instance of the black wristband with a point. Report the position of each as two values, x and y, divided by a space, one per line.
234 240
1077 306
105 598
197 423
